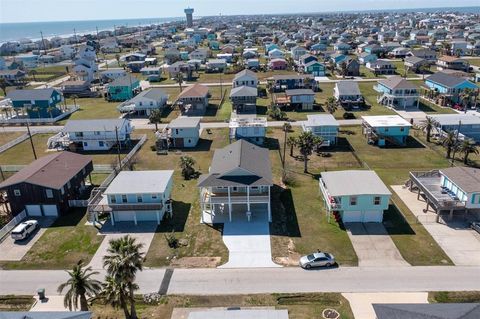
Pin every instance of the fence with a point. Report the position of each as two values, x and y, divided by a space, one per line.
11 224
78 203
51 120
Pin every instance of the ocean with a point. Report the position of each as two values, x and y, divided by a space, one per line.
31 30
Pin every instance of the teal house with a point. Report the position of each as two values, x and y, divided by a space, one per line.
386 130
123 88
315 68
214 45
270 47
39 103
355 195
211 36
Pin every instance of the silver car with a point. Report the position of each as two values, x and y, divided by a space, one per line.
317 259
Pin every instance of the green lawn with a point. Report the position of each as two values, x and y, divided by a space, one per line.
393 166
475 62
203 241
16 303
6 136
454 297
62 245
300 225
299 306
366 73
93 108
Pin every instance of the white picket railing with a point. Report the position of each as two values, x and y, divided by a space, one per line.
71 109
11 224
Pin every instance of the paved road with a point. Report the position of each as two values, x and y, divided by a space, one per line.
271 280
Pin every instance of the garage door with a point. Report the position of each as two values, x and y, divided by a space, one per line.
147 216
33 210
373 216
123 216
50 210
352 217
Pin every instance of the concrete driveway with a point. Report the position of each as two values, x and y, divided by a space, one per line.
373 245
16 250
143 233
459 242
248 244
361 303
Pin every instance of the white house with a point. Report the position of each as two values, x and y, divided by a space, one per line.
85 66
252 129
245 78
138 196
145 102
93 135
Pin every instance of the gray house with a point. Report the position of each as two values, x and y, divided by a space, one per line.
428 311
467 125
244 99
348 94
181 132
237 185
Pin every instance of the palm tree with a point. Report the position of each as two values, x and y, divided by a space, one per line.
123 260
331 105
179 79
33 73
117 57
306 143
449 141
187 163
3 86
424 68
331 66
276 113
115 293
427 125
292 142
80 286
35 109
467 147
155 118
466 97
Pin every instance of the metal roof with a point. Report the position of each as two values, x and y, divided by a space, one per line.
454 119
386 121
140 182
94 125
321 120
354 182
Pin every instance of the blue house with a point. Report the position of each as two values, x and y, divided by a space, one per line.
270 47
39 103
315 68
324 126
337 57
467 125
214 45
365 58
449 86
356 195
397 93
318 47
384 130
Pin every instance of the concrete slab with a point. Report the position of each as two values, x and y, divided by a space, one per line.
143 233
186 313
51 303
459 242
361 303
15 250
373 245
248 244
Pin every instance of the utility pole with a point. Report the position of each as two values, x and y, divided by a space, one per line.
43 43
284 144
31 141
118 149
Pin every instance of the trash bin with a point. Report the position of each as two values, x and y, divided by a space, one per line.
41 293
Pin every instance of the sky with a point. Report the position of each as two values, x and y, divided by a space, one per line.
70 10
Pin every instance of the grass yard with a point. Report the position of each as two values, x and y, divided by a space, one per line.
454 297
16 303
299 306
393 165
6 136
475 61
299 222
368 74
93 108
62 245
202 241
22 154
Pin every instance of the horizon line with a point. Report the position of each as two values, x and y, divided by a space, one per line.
258 14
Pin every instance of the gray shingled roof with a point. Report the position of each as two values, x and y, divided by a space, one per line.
152 93
245 72
354 182
243 91
446 80
239 155
427 311
467 178
45 315
184 122
93 125
397 82
348 88
126 80
26 94
299 92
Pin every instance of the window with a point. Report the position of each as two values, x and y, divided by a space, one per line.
101 143
139 199
62 190
96 133
353 200
124 198
85 144
113 199
402 129
376 200
68 184
154 196
49 193
17 192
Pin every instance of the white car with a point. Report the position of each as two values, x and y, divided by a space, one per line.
24 229
317 259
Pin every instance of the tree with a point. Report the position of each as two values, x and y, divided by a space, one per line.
331 105
179 79
3 86
343 68
467 147
292 142
122 262
306 143
449 141
117 57
276 113
331 66
33 73
427 125
155 118
115 293
187 163
424 68
80 285
50 109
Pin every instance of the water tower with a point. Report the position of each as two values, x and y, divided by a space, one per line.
189 14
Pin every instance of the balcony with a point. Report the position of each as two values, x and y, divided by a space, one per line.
102 207
235 197
332 202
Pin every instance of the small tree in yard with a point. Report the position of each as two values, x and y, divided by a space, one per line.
187 163
449 141
276 113
467 147
292 142
331 105
155 118
179 79
427 125
306 143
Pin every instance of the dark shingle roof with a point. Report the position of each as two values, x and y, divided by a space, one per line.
446 80
196 90
243 91
467 178
397 82
243 155
427 311
348 88
52 171
38 94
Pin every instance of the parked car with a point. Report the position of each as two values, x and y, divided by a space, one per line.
475 226
318 259
24 230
